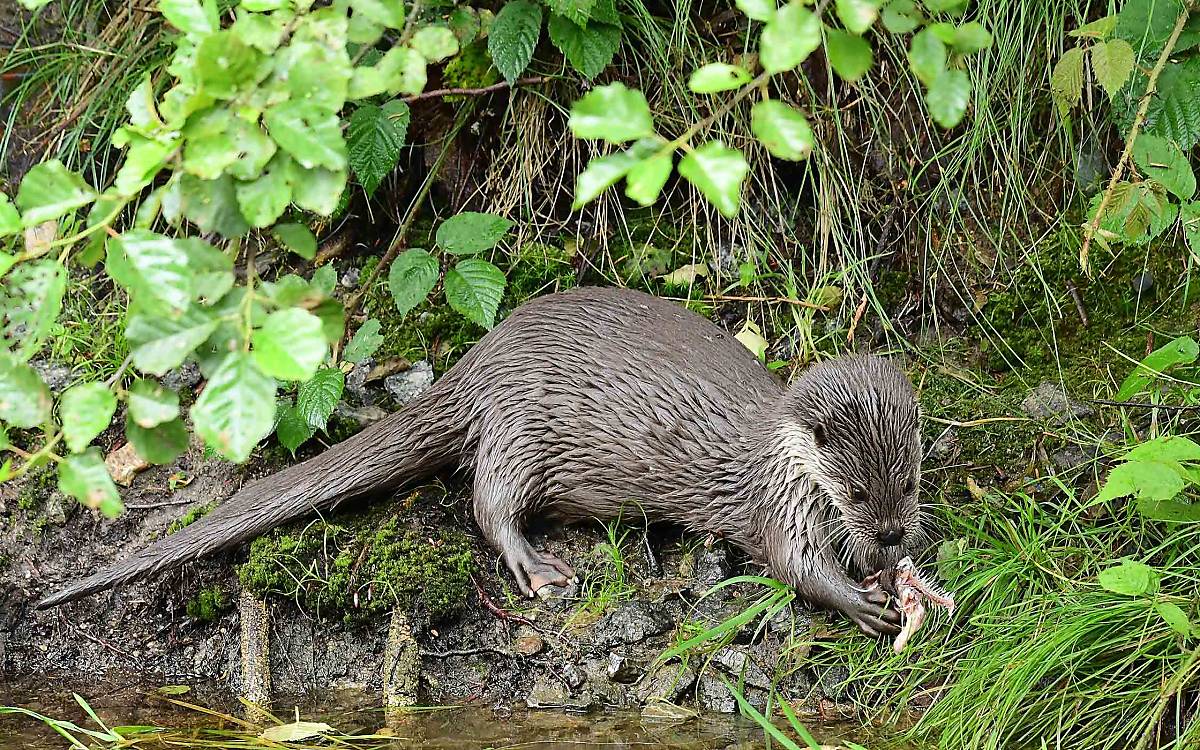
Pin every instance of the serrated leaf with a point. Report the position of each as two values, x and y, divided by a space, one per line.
161 444
717 171
297 238
157 267
50 190
1174 113
411 278
948 96
30 302
1098 29
717 76
237 408
1179 351
927 56
1170 448
849 55
193 17
292 430
265 198
513 37
290 345
857 15
1130 578
759 10
1189 219
435 43
151 403
782 130
365 342
317 397
1168 511
1112 62
1149 480
645 180
24 398
470 232
1066 82
85 411
1163 161
84 477
311 136
375 139
789 38
474 287
161 344
612 113
590 49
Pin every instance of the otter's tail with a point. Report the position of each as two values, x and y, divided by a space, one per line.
417 440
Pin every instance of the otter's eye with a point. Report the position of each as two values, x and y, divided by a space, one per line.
858 495
819 435
909 486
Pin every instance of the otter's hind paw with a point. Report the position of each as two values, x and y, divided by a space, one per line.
533 570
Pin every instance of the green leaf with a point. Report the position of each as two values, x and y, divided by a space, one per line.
292 430
225 65
601 173
1098 29
151 403
314 73
513 37
158 264
470 232
158 445
265 198
1066 82
389 13
1112 62
464 22
333 320
411 278
612 113
718 76
1163 162
927 56
1174 112
849 55
645 181
717 171
1129 578
1169 448
290 345
971 37
404 71
1150 480
30 301
590 49
1168 511
260 31
1189 215
858 15
789 38
85 411
365 342
435 43
237 407
948 96
209 204
782 130
161 344
317 190
1175 617
759 10
50 190
317 397
1180 351
313 137
193 17
10 219
211 271
6 262
901 16
376 136
85 478
474 288
297 238
324 279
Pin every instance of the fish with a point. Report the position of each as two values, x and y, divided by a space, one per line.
913 590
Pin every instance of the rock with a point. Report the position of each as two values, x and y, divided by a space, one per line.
946 448
363 415
56 510
527 642
632 622
124 463
56 377
713 565
712 695
1049 401
1065 459
667 683
1143 282
405 386
186 375
741 667
573 675
622 669
401 664
356 383
728 258
349 279
664 711
548 692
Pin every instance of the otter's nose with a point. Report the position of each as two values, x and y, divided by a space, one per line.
890 536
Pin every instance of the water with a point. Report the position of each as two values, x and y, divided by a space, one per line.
456 728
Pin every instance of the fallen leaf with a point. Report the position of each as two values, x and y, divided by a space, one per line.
685 275
297 730
751 338
124 463
38 238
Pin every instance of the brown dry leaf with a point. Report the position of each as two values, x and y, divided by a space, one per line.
124 463
38 238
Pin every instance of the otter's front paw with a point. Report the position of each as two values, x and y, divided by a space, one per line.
870 610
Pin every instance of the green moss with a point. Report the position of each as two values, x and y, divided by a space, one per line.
539 269
38 486
208 604
333 570
470 69
189 518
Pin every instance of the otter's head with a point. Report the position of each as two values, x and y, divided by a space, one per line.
852 424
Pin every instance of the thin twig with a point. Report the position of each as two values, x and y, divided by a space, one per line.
155 506
1119 171
768 300
496 610
977 422
437 93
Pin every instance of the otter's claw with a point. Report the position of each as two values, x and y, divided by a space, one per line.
872 613
533 570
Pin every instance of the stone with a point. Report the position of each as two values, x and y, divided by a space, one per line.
945 448
356 383
56 377
741 667
712 695
669 682
1049 401
186 375
405 386
548 692
713 565
573 675
401 664
349 279
622 669
528 642
632 622
255 639
363 415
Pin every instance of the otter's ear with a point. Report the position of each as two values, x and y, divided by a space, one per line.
819 437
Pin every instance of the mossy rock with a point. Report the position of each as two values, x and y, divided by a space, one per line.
208 604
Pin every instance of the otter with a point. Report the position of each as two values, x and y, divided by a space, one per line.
584 401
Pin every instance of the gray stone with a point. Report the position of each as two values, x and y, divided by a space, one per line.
349 279
945 448
632 622
186 375
56 510
622 669
1048 401
363 415
667 683
573 675
356 383
712 695
548 692
56 377
741 667
405 386
713 565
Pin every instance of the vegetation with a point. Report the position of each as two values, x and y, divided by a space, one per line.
1002 190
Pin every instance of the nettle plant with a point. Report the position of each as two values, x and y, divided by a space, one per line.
789 34
1146 58
249 136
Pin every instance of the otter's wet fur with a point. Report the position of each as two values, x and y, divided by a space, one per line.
586 401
